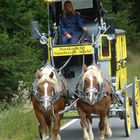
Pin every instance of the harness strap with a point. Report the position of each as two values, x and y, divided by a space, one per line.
56 97
82 96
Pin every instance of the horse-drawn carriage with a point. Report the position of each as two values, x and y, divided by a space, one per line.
103 48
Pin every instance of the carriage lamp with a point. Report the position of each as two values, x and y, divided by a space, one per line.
34 26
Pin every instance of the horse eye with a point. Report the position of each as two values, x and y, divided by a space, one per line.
95 93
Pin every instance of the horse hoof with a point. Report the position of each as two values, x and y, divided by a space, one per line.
101 138
109 134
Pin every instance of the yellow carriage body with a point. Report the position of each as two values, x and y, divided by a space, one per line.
114 61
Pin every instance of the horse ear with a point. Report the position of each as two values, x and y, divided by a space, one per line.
38 73
51 75
84 67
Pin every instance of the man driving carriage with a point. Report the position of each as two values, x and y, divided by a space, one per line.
71 25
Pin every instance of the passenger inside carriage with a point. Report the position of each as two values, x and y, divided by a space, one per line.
71 25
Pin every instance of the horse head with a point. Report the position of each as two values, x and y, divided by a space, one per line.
92 82
46 86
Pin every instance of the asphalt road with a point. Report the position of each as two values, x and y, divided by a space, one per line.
74 131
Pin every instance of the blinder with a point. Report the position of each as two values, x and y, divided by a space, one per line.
52 99
45 98
99 94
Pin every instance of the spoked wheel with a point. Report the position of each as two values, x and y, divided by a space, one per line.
127 117
136 104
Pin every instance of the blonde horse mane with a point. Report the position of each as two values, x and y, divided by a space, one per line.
45 76
93 70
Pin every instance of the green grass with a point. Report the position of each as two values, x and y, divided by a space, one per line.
133 66
18 124
21 124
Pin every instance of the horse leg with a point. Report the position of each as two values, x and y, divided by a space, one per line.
48 122
56 127
102 127
42 126
108 131
84 124
91 135
49 133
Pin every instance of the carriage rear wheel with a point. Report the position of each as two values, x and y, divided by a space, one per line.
127 116
136 104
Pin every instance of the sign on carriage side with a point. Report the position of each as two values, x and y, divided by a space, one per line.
72 50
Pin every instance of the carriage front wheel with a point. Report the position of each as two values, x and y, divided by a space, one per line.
136 103
127 116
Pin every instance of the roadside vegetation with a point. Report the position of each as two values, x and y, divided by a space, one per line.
133 63
20 123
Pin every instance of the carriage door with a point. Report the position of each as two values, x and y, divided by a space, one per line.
123 77
121 55
104 54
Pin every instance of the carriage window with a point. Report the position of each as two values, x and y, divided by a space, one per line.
81 4
105 46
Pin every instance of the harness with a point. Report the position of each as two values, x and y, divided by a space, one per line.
81 94
53 99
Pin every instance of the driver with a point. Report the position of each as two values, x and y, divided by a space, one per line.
71 25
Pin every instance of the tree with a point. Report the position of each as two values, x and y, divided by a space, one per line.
135 16
20 54
121 14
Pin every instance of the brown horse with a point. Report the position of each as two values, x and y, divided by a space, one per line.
48 100
94 99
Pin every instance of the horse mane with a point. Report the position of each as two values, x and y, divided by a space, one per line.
45 76
93 70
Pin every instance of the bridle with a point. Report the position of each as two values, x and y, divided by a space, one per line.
98 93
45 98
40 98
50 99
93 90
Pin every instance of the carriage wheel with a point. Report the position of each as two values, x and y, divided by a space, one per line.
136 104
127 117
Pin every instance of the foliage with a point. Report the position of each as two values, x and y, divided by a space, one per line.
123 20
23 123
18 124
134 13
133 66
17 63
20 54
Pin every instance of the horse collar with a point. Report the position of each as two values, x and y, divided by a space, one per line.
100 95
